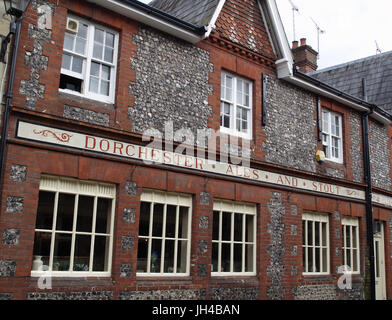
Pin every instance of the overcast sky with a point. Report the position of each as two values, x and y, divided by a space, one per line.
351 27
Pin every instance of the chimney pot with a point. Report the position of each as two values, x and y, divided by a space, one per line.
305 58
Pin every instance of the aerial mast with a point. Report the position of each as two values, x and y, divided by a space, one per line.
295 9
319 31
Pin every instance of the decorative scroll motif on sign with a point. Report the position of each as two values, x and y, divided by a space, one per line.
63 137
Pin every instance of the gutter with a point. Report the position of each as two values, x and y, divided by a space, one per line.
158 19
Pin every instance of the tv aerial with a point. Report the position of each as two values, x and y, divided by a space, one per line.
295 9
319 32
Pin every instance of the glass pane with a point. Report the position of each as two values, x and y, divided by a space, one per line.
238 223
303 232
155 266
77 64
69 41
95 68
377 258
171 221
348 257
105 85
182 254
355 261
348 237
310 260
66 63
238 258
226 123
249 228
65 212
226 255
45 210
355 239
144 223
183 223
97 52
109 39
80 46
94 84
104 210
101 252
249 258
82 253
105 75
226 226
99 35
214 261
168 266
142 251
82 32
317 233
215 226
62 252
108 57
41 251
304 259
325 260
324 233
310 233
157 220
318 259
85 214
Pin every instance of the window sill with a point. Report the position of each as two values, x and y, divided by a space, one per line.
68 275
75 96
235 134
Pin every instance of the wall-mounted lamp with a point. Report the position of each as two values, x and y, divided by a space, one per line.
320 156
14 8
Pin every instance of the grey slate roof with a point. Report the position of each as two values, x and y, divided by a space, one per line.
196 12
347 77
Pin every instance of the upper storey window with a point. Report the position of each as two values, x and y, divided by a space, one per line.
332 136
89 60
236 106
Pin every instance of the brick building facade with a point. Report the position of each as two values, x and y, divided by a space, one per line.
79 199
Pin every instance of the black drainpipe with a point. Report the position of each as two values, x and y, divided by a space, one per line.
15 28
368 195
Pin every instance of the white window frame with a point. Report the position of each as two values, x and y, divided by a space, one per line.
350 226
88 58
78 188
174 199
234 105
322 219
245 209
327 134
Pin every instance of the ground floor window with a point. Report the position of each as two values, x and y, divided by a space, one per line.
315 243
350 243
233 239
164 234
74 227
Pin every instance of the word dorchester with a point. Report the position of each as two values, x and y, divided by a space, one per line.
198 310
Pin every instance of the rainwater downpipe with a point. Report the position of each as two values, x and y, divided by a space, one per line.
368 194
15 27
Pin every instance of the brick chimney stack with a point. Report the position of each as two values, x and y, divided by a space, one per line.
305 57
